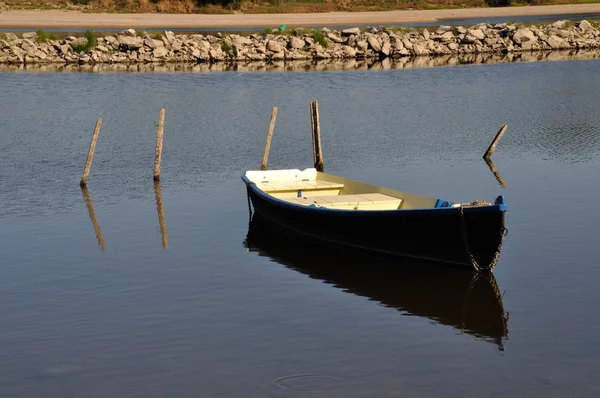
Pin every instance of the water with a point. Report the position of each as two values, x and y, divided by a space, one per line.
221 314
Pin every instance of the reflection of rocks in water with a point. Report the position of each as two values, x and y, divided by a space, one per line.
321 65
470 303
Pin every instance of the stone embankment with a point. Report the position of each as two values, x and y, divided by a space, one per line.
131 47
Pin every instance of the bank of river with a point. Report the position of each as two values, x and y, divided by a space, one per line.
134 47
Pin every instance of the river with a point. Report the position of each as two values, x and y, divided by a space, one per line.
99 300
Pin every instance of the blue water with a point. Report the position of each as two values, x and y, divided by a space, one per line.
209 316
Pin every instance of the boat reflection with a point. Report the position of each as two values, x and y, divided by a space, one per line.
468 302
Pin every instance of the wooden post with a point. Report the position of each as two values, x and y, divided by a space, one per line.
265 160
492 147
92 213
90 156
492 167
316 132
161 215
159 141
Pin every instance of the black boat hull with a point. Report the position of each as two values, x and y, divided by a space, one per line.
449 235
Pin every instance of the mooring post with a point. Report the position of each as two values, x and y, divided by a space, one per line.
92 213
161 215
159 141
316 136
90 155
265 160
492 147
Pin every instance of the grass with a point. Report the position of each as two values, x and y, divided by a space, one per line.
226 46
41 36
92 42
320 38
2 36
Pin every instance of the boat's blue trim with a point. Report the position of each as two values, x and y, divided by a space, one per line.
499 205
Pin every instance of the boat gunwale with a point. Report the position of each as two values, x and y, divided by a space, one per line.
498 206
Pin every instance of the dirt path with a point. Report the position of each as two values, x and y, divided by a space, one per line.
73 19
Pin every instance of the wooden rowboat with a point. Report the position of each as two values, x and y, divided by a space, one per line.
351 213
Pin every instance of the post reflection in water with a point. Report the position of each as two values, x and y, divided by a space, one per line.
493 169
468 302
161 215
90 206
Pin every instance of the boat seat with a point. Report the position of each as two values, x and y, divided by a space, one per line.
365 201
295 185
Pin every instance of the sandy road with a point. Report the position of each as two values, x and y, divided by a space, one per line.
74 19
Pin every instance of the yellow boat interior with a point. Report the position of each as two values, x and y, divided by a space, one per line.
312 188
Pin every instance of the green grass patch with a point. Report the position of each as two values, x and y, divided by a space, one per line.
227 47
320 38
41 36
92 42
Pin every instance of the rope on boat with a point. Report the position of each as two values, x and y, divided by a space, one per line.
249 205
503 232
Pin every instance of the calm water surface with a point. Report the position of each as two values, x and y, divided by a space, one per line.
219 313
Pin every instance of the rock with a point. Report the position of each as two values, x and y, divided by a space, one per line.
102 48
40 54
129 32
130 43
585 26
242 41
443 29
160 52
29 35
426 34
349 52
453 46
350 32
278 56
28 45
362 45
261 49
4 44
274 46
523 35
560 24
168 36
296 42
556 42
374 43
420 49
469 39
446 37
153 43
10 37
477 33
335 38
203 44
176 45
385 49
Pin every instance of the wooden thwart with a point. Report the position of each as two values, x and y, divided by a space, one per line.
90 156
492 147
159 142
265 160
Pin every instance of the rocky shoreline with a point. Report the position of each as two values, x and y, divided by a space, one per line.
131 47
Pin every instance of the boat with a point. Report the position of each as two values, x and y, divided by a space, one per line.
350 213
468 302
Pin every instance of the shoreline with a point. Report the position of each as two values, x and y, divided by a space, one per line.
138 47
76 19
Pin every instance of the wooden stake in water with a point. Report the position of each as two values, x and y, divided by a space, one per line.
316 136
265 160
492 147
92 213
90 156
159 141
161 215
